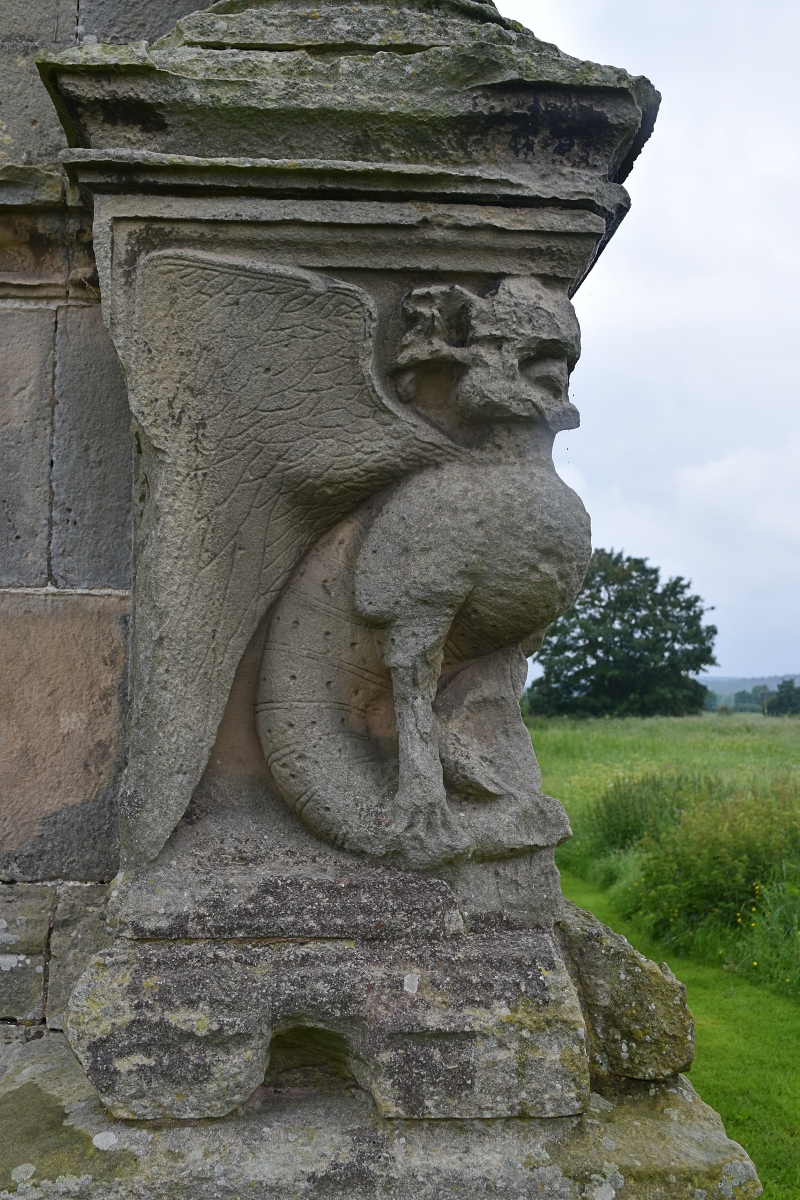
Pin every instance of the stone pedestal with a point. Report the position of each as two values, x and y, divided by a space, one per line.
336 253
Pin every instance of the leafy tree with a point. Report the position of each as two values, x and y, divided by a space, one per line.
753 701
628 646
786 701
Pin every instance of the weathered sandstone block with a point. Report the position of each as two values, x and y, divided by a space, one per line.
79 932
92 458
30 126
26 397
466 1027
25 912
638 1024
659 1142
63 666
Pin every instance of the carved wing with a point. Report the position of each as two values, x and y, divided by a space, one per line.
258 424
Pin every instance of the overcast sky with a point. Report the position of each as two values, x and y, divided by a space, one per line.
689 385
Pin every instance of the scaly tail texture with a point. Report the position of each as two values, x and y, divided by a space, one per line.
326 720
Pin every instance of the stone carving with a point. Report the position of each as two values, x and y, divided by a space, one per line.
446 580
347 359
271 427
233 493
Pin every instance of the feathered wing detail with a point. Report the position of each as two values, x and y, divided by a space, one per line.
258 424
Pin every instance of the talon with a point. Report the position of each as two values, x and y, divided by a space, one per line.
427 834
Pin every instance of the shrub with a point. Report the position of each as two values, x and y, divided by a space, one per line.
714 860
634 806
708 867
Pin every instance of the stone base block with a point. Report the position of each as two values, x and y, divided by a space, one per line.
474 1026
326 1141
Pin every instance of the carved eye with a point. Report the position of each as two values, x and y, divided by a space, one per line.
548 368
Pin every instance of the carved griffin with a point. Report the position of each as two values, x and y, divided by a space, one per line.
408 549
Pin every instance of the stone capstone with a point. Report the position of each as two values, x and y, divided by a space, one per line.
386 100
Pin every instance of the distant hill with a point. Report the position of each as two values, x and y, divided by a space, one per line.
726 686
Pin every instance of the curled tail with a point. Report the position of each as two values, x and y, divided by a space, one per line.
326 719
325 712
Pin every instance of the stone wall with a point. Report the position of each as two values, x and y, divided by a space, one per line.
65 480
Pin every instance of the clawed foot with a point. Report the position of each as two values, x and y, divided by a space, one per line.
424 831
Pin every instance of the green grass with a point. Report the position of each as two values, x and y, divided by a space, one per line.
580 758
747 1063
748 1037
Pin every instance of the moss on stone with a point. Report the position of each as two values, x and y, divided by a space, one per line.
36 1130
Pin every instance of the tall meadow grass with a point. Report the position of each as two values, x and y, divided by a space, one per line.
707 865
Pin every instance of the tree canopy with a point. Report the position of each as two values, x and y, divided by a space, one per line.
629 646
785 702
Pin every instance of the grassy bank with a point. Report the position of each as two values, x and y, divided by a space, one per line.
693 828
665 811
747 1064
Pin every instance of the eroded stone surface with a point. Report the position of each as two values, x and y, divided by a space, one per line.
92 457
472 1026
659 1143
245 866
638 1023
31 129
25 911
63 666
26 374
79 931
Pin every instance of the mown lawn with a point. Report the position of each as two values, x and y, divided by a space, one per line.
748 1037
